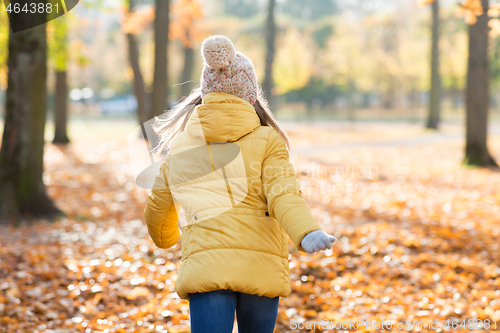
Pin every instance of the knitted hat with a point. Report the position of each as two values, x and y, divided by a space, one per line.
227 70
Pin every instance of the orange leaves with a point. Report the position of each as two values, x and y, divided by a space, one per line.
494 10
184 23
417 250
89 273
494 23
186 16
418 239
470 10
136 21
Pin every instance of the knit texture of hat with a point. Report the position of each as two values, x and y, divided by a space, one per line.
227 70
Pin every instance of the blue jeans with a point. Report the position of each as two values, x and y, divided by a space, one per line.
213 312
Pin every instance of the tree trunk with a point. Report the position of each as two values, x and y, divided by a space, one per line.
22 192
477 94
61 108
139 92
268 83
187 72
389 96
456 93
160 90
435 93
351 107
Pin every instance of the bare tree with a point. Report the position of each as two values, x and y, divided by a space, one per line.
59 54
22 191
435 92
187 71
160 90
477 93
61 108
185 15
268 83
139 91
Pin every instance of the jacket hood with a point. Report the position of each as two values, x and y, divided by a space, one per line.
222 117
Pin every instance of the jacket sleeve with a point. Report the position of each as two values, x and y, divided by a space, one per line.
282 191
160 213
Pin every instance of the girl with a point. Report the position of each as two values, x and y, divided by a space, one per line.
227 166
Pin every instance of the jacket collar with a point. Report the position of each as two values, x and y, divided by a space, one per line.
222 117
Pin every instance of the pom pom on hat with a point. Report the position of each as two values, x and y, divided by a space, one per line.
218 51
226 70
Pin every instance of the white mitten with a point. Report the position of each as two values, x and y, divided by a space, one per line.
317 240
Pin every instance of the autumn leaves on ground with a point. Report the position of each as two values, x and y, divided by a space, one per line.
418 237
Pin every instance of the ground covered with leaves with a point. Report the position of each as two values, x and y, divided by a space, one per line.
417 239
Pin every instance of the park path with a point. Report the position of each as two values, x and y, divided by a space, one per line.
424 138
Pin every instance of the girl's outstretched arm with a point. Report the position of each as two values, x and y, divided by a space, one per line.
160 213
282 190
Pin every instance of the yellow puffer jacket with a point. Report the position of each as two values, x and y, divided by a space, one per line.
241 197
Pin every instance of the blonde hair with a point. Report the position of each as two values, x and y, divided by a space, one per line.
173 122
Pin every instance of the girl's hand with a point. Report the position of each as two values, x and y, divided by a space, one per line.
317 240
